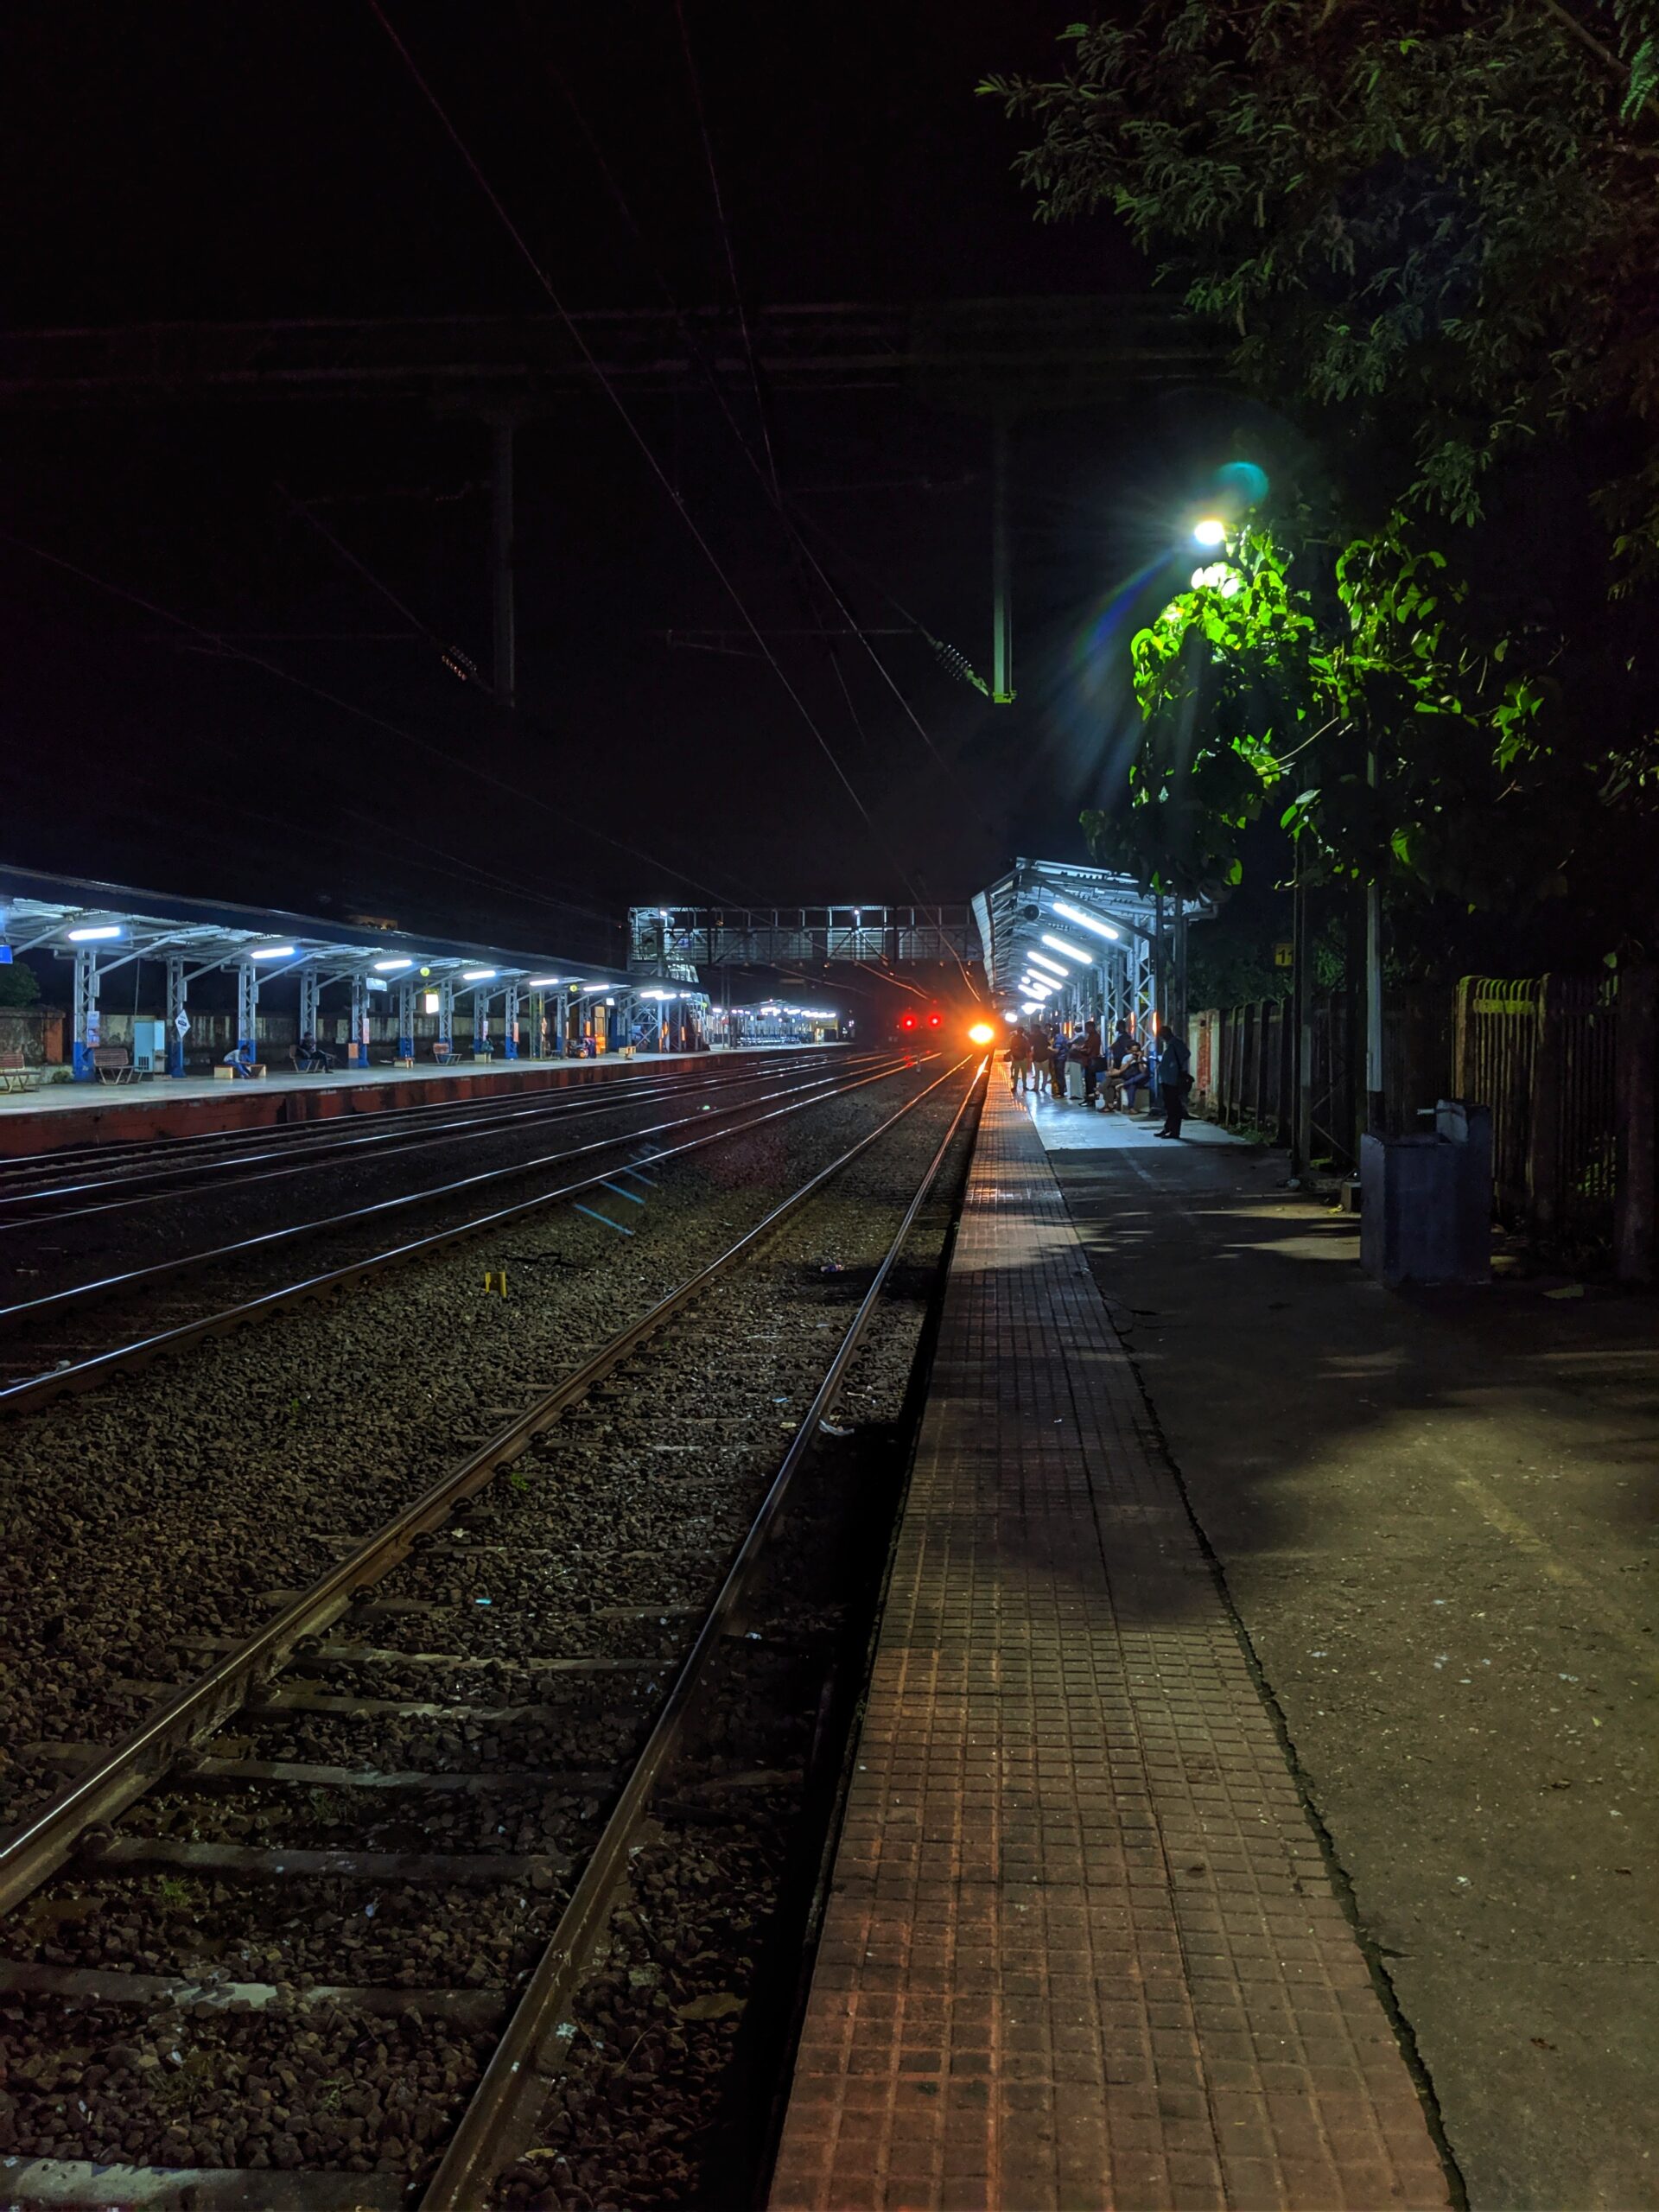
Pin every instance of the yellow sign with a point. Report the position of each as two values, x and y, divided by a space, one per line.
1284 955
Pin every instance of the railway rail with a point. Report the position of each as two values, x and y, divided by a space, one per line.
53 1343
73 1181
451 2070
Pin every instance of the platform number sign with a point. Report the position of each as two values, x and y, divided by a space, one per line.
1284 955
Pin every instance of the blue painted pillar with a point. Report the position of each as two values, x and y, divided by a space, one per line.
480 1021
178 1013
405 1021
447 1011
360 1003
310 1002
85 1036
247 1008
510 1022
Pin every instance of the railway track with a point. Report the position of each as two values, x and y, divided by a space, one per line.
542 1620
90 1180
61 1340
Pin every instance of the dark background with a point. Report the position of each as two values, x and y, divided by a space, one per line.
262 160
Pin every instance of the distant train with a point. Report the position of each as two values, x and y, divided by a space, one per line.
940 1026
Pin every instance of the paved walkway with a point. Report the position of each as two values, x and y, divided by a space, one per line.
1434 1513
1082 1948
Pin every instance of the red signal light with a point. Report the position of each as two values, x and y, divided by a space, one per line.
907 1021
934 1020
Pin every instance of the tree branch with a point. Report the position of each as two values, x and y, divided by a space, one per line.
1569 22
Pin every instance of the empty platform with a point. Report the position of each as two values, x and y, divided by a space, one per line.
1082 1948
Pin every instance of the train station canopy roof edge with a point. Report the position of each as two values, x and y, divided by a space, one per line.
1090 909
62 913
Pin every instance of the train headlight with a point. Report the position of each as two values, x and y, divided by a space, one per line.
982 1033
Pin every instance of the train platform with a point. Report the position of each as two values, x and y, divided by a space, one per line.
60 1113
1085 1945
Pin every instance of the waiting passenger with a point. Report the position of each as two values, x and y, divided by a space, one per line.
240 1060
1087 1053
1019 1058
313 1058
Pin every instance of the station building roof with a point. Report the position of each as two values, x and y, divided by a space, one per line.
60 914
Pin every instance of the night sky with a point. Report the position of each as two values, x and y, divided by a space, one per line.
184 162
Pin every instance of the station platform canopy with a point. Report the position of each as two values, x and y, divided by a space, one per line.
1059 938
101 927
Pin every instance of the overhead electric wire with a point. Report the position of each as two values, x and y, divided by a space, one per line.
770 481
345 706
694 347
458 663
639 439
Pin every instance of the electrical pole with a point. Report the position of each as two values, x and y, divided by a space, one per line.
1001 610
501 578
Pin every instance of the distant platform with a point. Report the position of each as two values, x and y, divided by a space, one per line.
62 1114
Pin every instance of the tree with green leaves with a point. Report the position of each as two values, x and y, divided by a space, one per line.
1428 228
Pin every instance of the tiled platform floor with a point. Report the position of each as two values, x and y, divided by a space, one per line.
1082 1949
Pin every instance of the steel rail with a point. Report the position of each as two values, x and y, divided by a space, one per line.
342 1133
391 1144
131 1767
587 1078
487 2137
38 1390
26 1312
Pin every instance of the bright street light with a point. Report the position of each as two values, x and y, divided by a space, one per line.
1211 531
1069 913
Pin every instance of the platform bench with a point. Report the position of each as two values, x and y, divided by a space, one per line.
256 1074
16 1073
113 1063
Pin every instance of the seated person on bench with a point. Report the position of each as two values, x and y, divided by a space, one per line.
240 1060
312 1058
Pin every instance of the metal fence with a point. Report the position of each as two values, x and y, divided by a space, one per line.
1540 1052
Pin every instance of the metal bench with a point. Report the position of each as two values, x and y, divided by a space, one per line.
113 1063
16 1073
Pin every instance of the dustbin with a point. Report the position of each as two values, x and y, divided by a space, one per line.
1426 1202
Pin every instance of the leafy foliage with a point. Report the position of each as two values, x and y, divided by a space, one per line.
1428 228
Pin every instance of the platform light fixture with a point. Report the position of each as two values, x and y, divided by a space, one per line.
271 952
478 974
540 983
98 935
392 967
1063 945
1045 966
1069 913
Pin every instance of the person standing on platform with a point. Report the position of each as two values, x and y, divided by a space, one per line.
1019 1059
1042 1060
1175 1079
1087 1054
1060 1051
